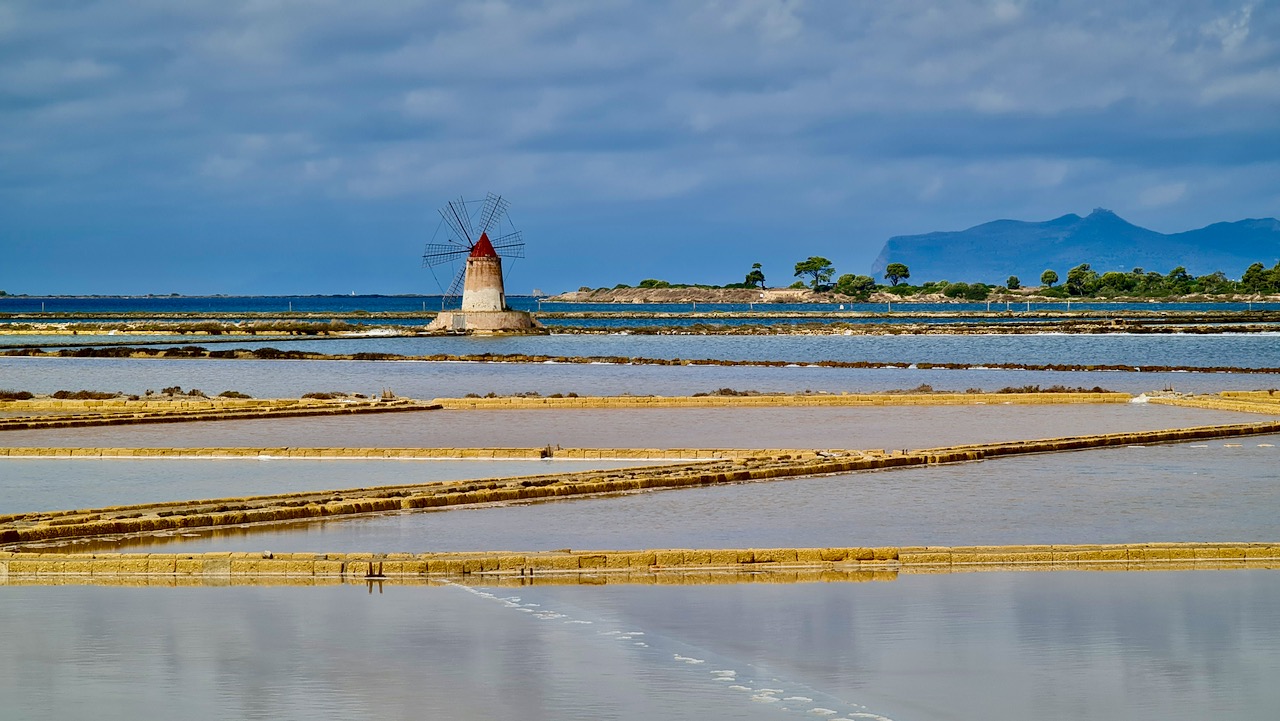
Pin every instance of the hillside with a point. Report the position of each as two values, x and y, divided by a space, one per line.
993 251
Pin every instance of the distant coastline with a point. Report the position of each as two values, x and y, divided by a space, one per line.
799 295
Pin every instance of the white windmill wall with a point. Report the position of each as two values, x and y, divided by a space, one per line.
482 290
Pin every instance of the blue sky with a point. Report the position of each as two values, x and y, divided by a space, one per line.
274 146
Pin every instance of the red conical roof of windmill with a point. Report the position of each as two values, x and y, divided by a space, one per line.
483 248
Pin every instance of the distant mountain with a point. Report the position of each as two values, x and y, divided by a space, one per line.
992 252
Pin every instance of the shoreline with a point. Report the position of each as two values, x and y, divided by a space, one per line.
769 296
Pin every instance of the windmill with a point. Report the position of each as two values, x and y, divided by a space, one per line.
480 232
468 227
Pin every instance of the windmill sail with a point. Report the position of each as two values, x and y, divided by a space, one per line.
491 214
441 253
455 214
510 245
467 230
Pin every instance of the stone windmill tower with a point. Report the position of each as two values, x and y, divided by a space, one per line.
484 299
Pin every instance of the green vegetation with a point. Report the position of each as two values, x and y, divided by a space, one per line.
819 269
84 395
896 273
233 394
1082 281
858 287
10 395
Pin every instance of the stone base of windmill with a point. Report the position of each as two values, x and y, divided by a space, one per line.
491 322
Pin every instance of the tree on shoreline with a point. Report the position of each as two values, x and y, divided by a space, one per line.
1080 279
819 270
1082 282
896 273
859 287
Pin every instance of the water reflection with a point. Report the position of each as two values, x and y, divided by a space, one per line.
1184 492
44 484
892 427
275 379
1162 645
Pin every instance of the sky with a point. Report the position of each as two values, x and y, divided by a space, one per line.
277 146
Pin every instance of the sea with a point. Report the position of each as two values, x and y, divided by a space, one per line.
1167 644
321 304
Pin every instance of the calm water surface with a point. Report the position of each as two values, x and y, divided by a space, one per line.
411 303
1212 491
1159 646
1154 645
44 484
283 378
895 427
1250 350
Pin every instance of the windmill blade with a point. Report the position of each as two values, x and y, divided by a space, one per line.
491 214
510 245
441 253
455 288
455 214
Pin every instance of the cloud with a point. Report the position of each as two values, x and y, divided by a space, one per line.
885 117
1161 195
1231 30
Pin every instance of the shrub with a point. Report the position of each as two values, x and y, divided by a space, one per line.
8 395
186 351
1052 389
233 394
322 396
270 353
727 392
83 395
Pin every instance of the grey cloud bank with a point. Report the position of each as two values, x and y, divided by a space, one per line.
264 147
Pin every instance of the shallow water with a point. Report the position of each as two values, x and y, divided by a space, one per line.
283 378
411 303
1161 645
893 427
1249 350
1253 350
45 484
1066 645
1213 491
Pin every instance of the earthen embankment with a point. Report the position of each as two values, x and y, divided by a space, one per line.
60 526
780 400
835 564
55 413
